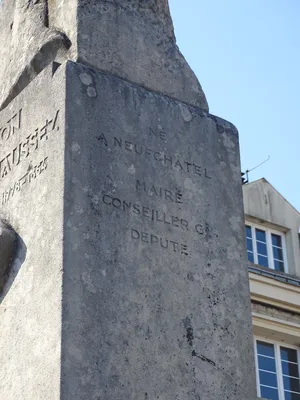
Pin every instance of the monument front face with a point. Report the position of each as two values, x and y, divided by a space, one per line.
155 289
130 280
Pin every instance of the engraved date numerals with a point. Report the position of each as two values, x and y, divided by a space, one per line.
33 173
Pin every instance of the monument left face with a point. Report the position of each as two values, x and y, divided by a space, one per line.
31 193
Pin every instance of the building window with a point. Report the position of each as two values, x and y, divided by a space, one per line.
265 247
277 369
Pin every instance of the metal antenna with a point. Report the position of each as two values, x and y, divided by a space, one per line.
246 179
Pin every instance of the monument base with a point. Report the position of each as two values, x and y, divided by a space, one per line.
130 280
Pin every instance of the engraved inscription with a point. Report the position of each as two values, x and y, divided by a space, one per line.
12 126
158 241
201 228
155 191
146 212
160 134
158 156
26 147
32 173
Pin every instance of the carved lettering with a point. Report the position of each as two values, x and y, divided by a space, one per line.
155 191
202 229
102 139
146 212
159 241
29 145
11 127
158 156
159 133
32 173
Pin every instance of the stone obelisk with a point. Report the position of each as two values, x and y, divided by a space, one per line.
123 271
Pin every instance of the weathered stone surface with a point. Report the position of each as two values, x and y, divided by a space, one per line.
31 193
135 281
156 298
7 249
131 39
28 45
145 30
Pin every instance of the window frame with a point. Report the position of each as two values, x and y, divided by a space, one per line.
269 232
279 373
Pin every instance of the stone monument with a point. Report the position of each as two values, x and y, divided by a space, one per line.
123 266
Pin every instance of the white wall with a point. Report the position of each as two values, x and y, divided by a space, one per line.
265 206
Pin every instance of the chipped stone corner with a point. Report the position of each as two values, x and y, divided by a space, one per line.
224 126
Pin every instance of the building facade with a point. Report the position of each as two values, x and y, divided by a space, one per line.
273 248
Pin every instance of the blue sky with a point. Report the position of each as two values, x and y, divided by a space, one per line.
246 54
